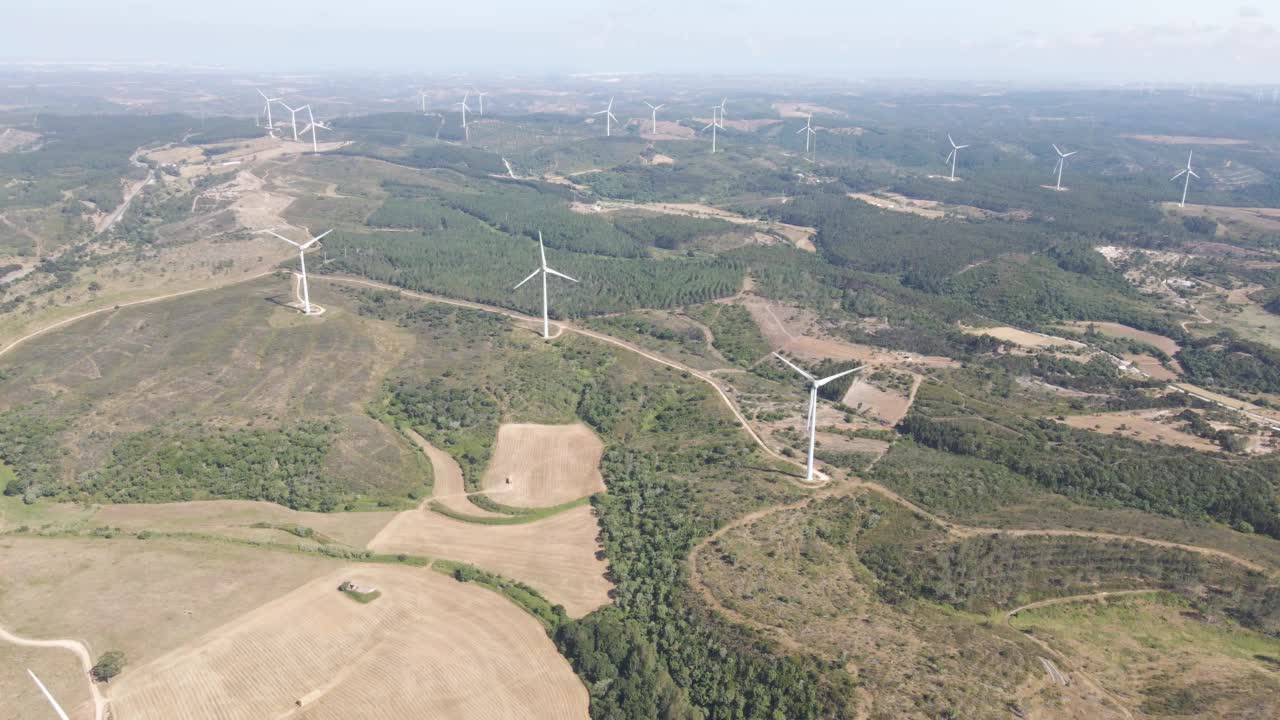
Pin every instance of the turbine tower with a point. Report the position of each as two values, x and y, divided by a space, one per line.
955 152
302 262
481 96
809 137
542 253
655 109
814 384
1062 160
609 119
714 124
313 125
293 117
463 108
1186 185
269 100
48 695
422 95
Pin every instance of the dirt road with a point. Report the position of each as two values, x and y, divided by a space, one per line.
81 652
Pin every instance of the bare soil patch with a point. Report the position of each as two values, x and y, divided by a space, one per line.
1024 338
1186 140
13 139
1112 329
544 465
1149 425
667 130
885 405
803 109
932 209
429 647
559 556
798 235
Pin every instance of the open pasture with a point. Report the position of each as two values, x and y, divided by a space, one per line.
429 647
1149 425
544 465
60 672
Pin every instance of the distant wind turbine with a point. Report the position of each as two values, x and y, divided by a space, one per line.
463 108
422 95
955 153
810 135
1062 160
655 109
714 125
302 262
609 119
1186 185
269 100
293 117
542 254
313 125
48 696
481 96
814 384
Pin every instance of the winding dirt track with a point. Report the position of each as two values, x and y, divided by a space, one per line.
81 652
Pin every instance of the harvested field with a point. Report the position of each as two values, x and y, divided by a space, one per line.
544 465
145 597
448 489
557 556
1149 425
1023 338
233 518
1152 367
1186 140
803 109
887 406
429 647
1112 329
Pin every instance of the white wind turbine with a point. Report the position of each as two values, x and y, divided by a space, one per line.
269 100
814 384
714 124
1189 173
1062 160
810 134
422 95
293 117
463 108
955 153
481 96
314 125
302 262
655 109
48 695
542 253
609 119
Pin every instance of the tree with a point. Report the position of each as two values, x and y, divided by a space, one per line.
109 666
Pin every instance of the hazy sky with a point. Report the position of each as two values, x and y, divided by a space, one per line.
1024 40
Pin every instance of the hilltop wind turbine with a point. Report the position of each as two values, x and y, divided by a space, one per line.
1062 160
714 124
293 117
655 109
814 384
810 134
609 119
48 696
269 100
313 125
1189 173
302 262
463 108
481 96
542 253
955 153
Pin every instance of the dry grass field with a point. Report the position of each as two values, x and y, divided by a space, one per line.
557 556
1113 329
429 647
1023 338
887 406
798 235
233 518
59 670
1149 425
144 597
544 465
1186 140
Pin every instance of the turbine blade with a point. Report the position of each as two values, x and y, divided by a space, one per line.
837 376
48 696
950 155
953 142
1073 152
961 147
1193 174
532 275
1180 174
273 232
600 113
264 95
801 130
795 367
542 250
1055 149
557 273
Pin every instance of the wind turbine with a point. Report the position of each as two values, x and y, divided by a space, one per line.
814 384
542 253
48 696
955 152
655 109
422 95
269 100
1062 160
313 125
481 96
302 261
463 108
714 124
608 118
293 117
810 134
1189 173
